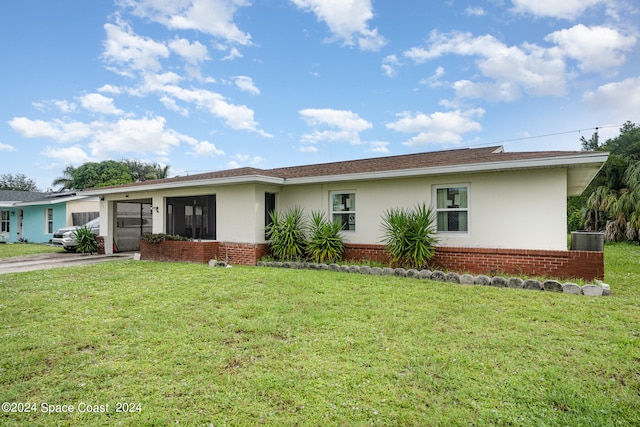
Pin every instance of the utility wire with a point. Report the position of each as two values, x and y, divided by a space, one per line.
544 136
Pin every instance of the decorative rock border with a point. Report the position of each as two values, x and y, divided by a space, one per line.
592 290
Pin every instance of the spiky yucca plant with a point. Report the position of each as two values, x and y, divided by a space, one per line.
409 235
325 242
85 240
286 234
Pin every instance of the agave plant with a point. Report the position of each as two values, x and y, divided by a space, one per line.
409 235
286 234
325 242
85 240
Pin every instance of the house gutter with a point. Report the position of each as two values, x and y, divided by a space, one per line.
245 179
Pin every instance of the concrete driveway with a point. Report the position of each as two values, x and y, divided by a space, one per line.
55 260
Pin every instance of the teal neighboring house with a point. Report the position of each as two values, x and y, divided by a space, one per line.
34 216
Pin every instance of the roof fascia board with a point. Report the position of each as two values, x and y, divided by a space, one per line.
50 201
246 179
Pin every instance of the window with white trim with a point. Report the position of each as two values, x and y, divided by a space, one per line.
452 208
48 217
5 221
343 209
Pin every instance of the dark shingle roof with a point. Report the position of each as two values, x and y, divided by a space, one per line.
458 157
21 196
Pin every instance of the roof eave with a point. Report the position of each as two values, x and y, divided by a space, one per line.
245 179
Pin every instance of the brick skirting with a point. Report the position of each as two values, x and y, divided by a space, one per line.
557 264
202 252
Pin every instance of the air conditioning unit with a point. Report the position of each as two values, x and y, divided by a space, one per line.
592 241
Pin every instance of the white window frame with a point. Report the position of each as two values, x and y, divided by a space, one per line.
351 212
5 220
48 221
457 209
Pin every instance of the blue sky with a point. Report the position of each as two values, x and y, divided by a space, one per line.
205 85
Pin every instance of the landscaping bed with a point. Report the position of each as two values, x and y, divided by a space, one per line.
594 290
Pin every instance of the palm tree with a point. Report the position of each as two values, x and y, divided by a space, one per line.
66 181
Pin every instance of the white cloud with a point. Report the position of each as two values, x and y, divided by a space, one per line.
99 104
348 124
55 129
246 84
308 149
434 80
114 90
238 117
530 68
6 147
567 9
74 155
213 17
347 20
390 65
105 140
234 53
205 149
146 135
246 159
620 99
595 48
439 127
131 52
475 11
193 53
378 147
62 105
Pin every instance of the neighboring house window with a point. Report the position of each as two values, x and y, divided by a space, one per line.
48 221
343 209
4 221
452 207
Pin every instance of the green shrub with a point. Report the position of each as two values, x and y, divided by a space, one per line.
409 235
286 234
325 242
85 240
155 238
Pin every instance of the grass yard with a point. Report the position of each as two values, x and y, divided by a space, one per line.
8 250
184 344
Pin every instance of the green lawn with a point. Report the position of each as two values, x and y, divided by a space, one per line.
8 250
199 346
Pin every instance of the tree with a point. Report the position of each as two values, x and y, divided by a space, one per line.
90 175
17 182
592 143
66 180
142 171
613 203
109 172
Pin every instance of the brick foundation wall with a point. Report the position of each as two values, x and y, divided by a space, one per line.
100 242
558 264
366 252
242 253
200 252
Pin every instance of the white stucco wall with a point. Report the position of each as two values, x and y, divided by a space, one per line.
519 209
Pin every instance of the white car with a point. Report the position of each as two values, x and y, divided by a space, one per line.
66 236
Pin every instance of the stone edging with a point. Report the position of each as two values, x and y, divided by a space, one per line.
592 290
